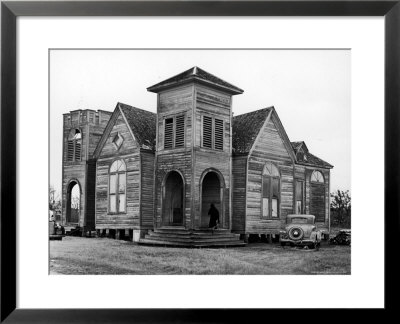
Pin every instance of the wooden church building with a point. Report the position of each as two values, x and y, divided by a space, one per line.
152 177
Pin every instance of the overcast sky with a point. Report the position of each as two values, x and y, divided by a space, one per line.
310 90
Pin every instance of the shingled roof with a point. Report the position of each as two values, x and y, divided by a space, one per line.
195 73
245 129
296 145
310 159
142 124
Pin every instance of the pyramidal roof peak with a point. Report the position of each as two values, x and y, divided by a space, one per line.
199 75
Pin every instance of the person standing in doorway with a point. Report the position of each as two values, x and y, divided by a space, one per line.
214 217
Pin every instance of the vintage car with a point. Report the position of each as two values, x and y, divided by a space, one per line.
342 238
300 230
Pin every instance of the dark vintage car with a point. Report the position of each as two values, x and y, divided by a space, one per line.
342 238
300 230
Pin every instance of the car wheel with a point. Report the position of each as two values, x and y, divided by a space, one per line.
296 233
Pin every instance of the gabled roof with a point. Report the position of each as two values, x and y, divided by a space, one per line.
310 159
245 129
298 145
142 124
196 74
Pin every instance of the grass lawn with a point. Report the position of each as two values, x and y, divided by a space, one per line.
76 255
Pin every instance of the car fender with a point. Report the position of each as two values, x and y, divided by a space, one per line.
316 236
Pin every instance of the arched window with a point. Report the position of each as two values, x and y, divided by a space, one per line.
74 145
317 176
318 194
117 187
270 191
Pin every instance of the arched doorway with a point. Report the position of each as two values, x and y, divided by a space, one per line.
173 199
212 192
73 202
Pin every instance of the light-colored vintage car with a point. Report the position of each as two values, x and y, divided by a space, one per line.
300 230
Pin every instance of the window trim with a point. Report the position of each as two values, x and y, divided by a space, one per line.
316 172
271 177
117 147
174 117
213 133
74 141
117 173
302 196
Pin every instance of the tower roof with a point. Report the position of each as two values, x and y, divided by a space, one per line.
199 75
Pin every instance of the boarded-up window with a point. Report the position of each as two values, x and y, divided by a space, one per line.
270 191
207 132
74 145
180 131
219 134
299 197
213 133
174 132
317 196
117 187
168 133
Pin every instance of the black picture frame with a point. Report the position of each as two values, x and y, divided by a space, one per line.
10 10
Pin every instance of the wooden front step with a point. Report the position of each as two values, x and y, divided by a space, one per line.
168 236
190 240
194 245
194 237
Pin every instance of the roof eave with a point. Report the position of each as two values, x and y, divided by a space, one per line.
240 153
194 78
327 166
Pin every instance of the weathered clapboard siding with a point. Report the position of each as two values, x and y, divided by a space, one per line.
313 205
131 218
219 163
214 98
129 144
239 170
130 154
212 103
89 126
176 160
216 104
171 103
174 100
269 147
96 129
147 189
90 219
76 172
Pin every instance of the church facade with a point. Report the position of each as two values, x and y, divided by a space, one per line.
135 171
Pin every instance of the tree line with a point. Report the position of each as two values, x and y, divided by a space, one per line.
341 208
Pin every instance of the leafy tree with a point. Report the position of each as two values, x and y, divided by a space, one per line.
54 199
341 207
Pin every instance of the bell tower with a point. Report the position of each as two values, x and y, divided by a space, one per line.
82 130
193 154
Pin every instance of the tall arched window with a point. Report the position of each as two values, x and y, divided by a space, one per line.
117 187
270 191
318 207
74 145
317 176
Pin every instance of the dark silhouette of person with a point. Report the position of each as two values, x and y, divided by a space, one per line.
214 216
